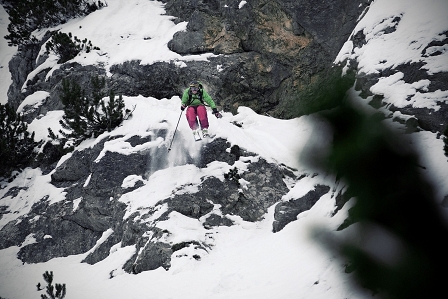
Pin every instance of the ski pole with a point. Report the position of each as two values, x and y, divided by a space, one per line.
175 129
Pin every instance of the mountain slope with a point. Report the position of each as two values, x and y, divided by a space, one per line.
124 217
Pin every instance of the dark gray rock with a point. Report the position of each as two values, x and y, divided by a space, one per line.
132 232
153 256
3 210
218 151
20 66
191 205
108 174
315 16
216 220
74 225
286 212
265 187
186 43
103 250
73 72
60 231
48 235
91 206
67 239
432 120
93 213
75 168
151 253
131 78
13 234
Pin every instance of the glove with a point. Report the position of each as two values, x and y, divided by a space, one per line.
216 113
182 107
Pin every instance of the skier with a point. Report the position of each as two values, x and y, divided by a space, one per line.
194 99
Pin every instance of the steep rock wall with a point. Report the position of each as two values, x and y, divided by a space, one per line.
294 44
94 215
273 56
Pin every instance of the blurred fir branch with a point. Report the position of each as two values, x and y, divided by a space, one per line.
393 240
16 143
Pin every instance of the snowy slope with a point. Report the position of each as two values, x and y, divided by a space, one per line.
247 260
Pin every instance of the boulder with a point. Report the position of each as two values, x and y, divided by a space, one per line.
286 212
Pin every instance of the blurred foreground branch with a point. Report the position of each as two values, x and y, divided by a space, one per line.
394 238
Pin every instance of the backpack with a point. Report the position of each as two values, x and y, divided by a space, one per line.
200 94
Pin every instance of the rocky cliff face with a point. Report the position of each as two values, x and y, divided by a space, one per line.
280 52
275 56
94 216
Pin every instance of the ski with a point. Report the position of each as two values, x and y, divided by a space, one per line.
205 133
197 136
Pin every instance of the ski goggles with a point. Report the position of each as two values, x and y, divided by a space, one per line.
194 88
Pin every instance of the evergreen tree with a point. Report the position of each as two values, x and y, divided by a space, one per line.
84 118
57 291
16 143
28 15
106 116
63 46
76 108
66 47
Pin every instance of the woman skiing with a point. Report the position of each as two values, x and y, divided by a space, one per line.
194 99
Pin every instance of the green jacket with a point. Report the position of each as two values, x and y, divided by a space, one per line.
195 99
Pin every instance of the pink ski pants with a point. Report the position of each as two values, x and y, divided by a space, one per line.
201 113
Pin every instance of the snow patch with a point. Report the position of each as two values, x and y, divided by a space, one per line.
241 4
34 100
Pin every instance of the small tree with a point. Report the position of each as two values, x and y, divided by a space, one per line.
84 118
106 116
75 111
66 47
50 288
28 15
16 143
233 175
